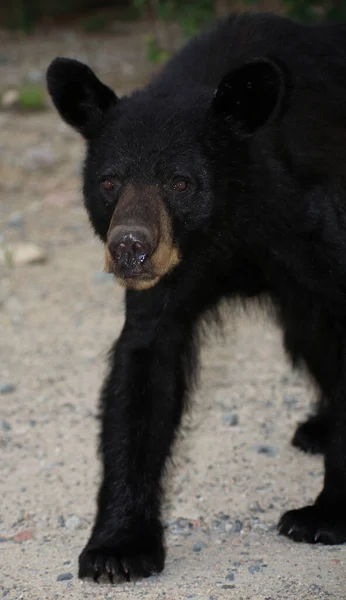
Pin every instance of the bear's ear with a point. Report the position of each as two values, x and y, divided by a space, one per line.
251 94
79 96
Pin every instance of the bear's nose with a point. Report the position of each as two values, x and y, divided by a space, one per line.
129 249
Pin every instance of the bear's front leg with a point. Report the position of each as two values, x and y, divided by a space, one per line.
142 403
325 521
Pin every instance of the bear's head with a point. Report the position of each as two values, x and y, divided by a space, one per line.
149 183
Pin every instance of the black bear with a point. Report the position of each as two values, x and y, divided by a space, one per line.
225 177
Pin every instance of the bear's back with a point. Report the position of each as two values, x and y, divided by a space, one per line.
314 127
307 50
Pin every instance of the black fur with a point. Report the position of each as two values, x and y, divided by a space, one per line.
264 216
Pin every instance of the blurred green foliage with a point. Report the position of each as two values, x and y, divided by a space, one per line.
311 11
31 97
190 14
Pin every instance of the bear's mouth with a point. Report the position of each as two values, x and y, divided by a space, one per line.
134 279
138 282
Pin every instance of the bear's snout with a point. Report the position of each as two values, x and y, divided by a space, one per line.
140 248
130 248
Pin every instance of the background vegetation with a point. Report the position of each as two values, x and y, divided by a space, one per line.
190 14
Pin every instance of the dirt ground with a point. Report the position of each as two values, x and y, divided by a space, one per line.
234 470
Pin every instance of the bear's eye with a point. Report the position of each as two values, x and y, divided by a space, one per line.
108 185
180 186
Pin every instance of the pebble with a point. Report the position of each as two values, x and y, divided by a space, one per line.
16 220
256 507
230 576
198 547
23 536
61 521
256 569
179 526
237 527
223 516
4 425
64 577
7 388
23 254
290 400
266 449
9 98
227 587
231 419
73 522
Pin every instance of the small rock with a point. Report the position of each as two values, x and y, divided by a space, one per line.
198 547
23 254
7 388
256 507
4 425
231 419
255 569
266 449
73 522
290 400
179 526
230 576
237 527
16 220
223 516
9 98
64 577
23 536
227 587
61 521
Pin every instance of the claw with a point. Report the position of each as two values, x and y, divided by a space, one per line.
96 576
109 571
126 572
317 536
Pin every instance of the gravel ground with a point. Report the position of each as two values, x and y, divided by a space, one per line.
234 471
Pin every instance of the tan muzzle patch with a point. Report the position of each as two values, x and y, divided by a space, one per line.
142 206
